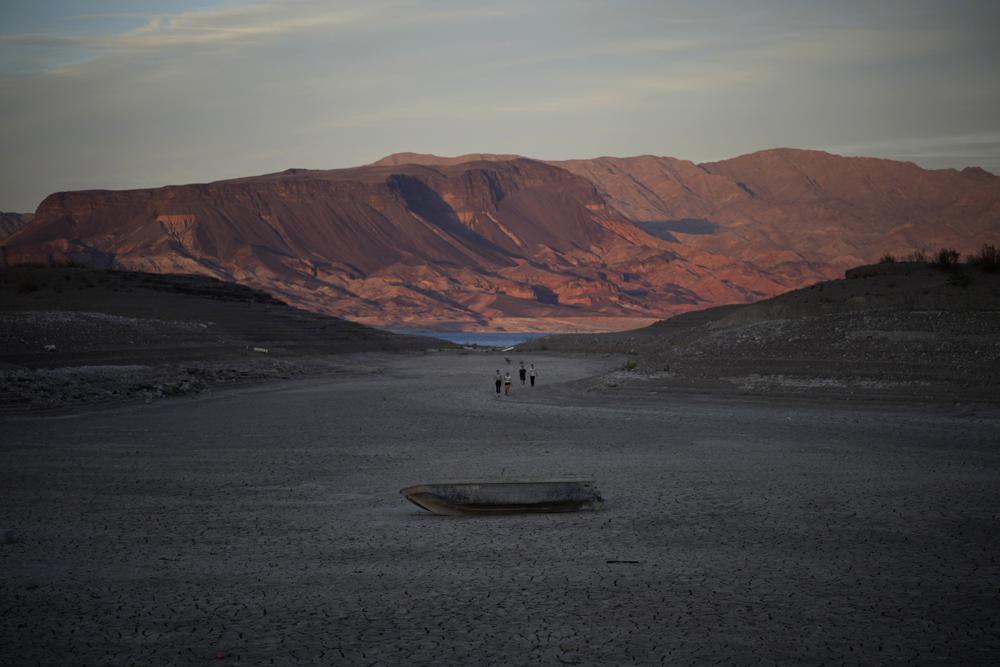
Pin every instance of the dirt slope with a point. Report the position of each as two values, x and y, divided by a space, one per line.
896 329
73 336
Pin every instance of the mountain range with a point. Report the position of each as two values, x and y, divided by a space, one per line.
487 241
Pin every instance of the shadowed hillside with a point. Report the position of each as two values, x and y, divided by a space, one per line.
71 335
905 328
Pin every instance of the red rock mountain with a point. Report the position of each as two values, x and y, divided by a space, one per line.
804 213
502 241
11 222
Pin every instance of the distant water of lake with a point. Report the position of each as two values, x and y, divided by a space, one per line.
499 339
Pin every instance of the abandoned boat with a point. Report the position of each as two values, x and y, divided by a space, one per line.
504 497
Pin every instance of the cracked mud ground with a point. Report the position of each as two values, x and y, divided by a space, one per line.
264 526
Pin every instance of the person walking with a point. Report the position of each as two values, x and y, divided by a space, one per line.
523 372
531 374
506 384
499 381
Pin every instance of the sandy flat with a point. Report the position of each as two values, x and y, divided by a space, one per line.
264 523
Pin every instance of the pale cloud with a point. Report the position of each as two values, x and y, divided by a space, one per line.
39 39
698 78
980 146
589 52
846 46
234 24
247 23
203 27
645 45
478 109
626 93
233 90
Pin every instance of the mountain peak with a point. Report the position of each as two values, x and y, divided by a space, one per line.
978 172
430 159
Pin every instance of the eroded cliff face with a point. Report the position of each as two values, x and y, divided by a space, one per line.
486 241
11 222
805 215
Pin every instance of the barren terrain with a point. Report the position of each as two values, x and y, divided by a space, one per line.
72 336
482 242
264 524
899 330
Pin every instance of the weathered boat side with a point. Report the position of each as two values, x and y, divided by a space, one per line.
451 498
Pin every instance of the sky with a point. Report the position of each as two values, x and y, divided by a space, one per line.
140 93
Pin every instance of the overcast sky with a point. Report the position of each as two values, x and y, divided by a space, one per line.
136 93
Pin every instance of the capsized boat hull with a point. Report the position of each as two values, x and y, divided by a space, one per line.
451 498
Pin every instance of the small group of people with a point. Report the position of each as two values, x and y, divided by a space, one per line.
504 380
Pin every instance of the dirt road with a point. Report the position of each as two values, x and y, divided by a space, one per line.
264 525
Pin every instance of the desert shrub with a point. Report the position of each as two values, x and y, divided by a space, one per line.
630 365
946 258
916 256
27 287
988 258
887 259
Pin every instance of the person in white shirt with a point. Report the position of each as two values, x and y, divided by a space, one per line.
506 384
531 374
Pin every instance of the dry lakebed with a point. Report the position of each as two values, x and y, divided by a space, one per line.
263 525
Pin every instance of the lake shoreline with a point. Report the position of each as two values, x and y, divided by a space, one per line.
485 339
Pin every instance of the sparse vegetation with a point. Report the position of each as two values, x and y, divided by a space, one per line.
946 258
988 258
630 365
